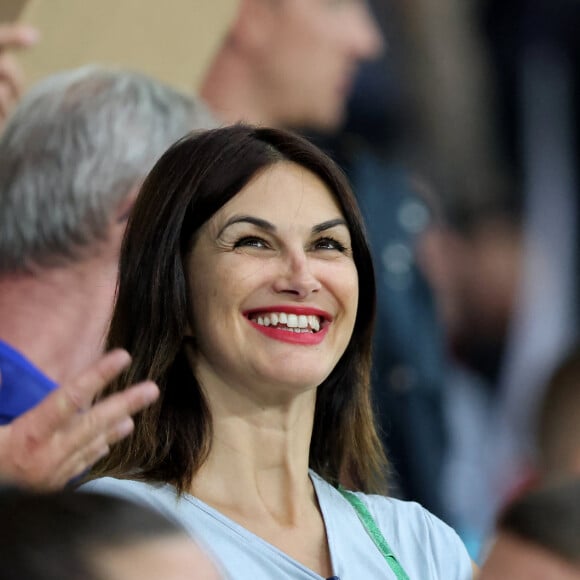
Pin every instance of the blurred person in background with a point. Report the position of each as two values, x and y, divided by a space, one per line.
72 158
293 63
538 88
538 536
472 250
493 89
558 428
71 536
473 262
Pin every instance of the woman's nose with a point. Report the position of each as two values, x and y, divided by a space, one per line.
297 277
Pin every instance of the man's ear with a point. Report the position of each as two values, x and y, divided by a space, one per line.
124 207
254 24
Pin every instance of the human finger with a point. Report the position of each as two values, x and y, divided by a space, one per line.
100 446
83 458
110 418
11 75
53 466
17 36
93 437
6 101
75 396
69 468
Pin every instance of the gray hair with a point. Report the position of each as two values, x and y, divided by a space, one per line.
75 147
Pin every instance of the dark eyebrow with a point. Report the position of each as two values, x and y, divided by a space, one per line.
266 225
260 223
329 224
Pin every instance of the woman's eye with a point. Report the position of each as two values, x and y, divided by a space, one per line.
250 242
329 244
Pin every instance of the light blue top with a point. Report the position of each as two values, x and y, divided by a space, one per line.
427 548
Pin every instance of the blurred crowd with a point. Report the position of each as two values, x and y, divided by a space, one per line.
458 126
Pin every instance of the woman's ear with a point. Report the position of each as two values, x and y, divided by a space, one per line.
189 333
188 336
189 346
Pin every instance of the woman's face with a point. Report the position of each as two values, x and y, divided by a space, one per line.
274 286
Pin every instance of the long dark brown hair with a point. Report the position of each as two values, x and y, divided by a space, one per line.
188 185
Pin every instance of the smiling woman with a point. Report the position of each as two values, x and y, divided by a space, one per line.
288 285
246 292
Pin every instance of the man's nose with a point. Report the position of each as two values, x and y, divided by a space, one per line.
367 38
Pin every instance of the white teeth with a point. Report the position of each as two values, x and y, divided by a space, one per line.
292 322
314 323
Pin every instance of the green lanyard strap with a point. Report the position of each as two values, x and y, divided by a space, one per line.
375 534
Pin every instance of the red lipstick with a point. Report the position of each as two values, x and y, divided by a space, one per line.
285 334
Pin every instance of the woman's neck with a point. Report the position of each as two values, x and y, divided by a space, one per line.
257 472
258 462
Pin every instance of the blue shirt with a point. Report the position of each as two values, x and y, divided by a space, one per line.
22 385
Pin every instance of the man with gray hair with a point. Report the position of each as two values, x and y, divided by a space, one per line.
72 158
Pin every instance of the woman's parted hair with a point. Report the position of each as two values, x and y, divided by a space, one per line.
188 185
